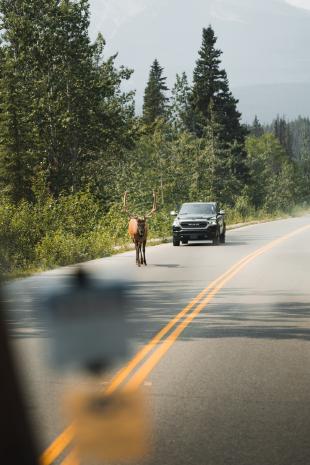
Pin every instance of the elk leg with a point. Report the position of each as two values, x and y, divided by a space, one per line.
137 254
141 256
144 259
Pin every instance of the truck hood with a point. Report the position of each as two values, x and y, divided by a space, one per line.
195 217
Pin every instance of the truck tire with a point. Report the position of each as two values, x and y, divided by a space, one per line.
223 237
216 239
176 242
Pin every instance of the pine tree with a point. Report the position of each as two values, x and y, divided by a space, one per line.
207 80
282 132
210 83
180 111
155 101
211 89
17 83
256 129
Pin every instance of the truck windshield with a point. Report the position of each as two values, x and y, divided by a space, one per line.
198 208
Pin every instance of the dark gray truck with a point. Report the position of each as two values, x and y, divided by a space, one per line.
199 221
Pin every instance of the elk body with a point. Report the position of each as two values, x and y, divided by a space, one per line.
138 229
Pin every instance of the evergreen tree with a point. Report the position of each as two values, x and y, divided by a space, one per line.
210 83
300 132
17 83
256 129
283 134
155 101
62 107
180 111
272 173
207 81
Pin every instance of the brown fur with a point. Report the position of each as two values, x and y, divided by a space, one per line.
138 229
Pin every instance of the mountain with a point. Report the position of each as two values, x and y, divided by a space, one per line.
263 41
266 101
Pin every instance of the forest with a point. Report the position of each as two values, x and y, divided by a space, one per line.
71 142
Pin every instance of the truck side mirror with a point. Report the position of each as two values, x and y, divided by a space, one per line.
173 213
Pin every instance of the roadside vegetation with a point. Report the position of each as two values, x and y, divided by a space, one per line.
71 142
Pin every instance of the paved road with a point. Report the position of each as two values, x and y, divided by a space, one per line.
231 387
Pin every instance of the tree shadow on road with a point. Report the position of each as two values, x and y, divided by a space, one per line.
152 304
282 315
232 314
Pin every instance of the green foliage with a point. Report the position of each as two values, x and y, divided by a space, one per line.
283 134
211 94
64 248
55 232
213 107
256 129
180 109
155 101
208 80
61 104
272 173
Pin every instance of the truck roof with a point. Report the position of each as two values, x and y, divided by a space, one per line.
198 203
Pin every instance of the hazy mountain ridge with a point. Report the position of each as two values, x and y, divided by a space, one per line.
269 100
262 41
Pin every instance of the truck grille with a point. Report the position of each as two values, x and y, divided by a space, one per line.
194 224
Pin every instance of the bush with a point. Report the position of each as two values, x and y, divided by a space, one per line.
115 223
160 225
53 233
58 248
63 248
20 229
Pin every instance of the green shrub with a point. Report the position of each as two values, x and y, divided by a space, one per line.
62 248
20 229
52 233
115 223
160 225
58 248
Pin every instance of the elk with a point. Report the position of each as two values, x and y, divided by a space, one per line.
138 229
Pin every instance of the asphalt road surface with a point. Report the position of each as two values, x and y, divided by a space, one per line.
227 380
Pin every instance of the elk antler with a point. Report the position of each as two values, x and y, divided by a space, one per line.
130 215
147 215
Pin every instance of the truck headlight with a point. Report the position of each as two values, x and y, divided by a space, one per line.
176 223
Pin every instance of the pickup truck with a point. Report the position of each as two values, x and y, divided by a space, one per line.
199 221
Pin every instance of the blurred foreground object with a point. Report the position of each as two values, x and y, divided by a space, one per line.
109 428
16 445
87 323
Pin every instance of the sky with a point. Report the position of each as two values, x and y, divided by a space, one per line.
264 42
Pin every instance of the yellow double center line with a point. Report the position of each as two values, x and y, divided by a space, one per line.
156 348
